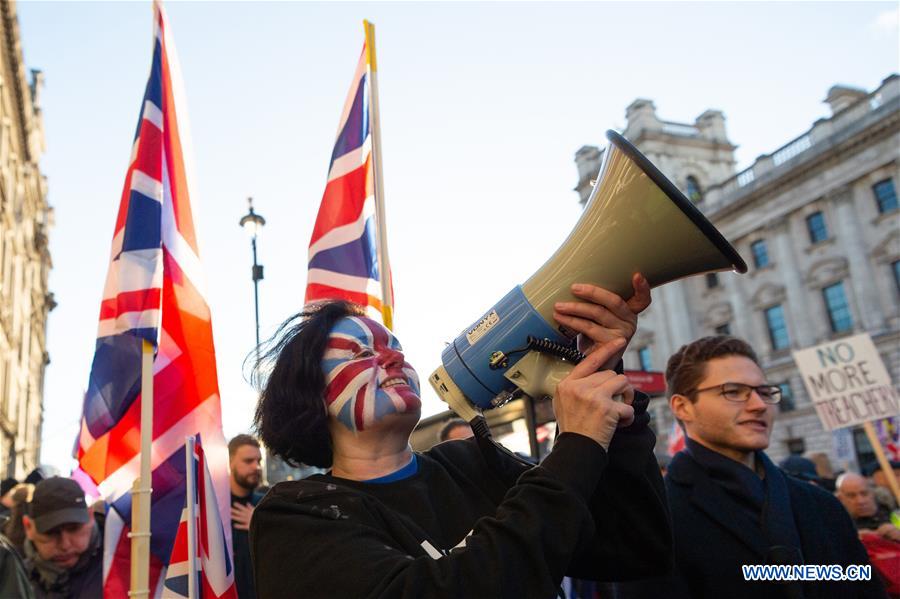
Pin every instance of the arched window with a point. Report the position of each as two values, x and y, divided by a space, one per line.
694 193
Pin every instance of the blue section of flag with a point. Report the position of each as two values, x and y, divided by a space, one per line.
167 501
178 584
356 258
143 223
356 128
153 91
114 383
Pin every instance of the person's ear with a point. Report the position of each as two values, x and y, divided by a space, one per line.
30 529
682 407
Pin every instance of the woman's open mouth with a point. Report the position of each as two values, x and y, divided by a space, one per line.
393 382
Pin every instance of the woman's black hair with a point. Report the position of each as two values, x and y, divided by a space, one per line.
291 417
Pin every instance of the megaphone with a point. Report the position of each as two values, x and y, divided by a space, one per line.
635 220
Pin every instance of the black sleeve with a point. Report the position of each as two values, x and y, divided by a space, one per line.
13 578
522 550
631 515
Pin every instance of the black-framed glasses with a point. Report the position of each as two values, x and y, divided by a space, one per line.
740 392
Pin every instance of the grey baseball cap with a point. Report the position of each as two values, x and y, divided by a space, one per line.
57 501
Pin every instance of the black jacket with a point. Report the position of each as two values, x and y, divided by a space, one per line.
714 537
469 523
13 576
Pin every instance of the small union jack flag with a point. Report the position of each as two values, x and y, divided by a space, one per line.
676 439
347 252
211 560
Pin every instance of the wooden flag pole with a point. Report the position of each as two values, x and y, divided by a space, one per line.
191 493
141 491
384 265
875 442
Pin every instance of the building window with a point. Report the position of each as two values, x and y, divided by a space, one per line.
885 195
815 224
778 332
645 359
712 280
694 193
895 266
760 253
838 309
723 329
787 403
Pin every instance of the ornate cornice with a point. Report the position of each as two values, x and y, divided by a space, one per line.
827 271
888 249
768 295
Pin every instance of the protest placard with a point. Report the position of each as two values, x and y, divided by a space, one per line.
847 382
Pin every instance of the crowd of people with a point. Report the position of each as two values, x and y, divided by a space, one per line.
467 518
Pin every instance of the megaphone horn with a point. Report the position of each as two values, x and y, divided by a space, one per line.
636 220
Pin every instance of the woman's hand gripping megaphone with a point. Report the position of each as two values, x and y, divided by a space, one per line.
603 315
584 401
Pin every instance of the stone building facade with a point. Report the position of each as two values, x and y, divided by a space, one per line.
25 219
818 224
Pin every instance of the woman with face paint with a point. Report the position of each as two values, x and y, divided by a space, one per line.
466 518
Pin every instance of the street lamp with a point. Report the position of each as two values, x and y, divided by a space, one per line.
253 223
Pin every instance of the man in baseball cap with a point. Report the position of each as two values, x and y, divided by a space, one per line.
63 550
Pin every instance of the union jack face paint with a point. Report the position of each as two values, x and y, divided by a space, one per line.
366 376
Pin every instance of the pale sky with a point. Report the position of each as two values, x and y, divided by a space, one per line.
483 106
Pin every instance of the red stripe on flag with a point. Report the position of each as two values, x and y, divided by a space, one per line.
131 301
150 145
118 581
342 202
317 291
174 155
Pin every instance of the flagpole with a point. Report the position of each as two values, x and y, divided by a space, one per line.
141 491
384 266
191 492
886 467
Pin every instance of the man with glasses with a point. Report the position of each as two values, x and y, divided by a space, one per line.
731 506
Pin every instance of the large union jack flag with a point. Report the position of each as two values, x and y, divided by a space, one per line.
347 257
154 291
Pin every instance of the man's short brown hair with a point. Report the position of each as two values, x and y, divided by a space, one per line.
239 441
449 426
687 366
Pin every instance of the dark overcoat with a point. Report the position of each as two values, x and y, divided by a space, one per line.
714 537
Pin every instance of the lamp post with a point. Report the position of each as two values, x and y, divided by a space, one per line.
253 223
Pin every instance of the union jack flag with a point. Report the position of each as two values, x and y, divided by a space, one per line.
212 563
154 291
347 253
888 430
676 439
